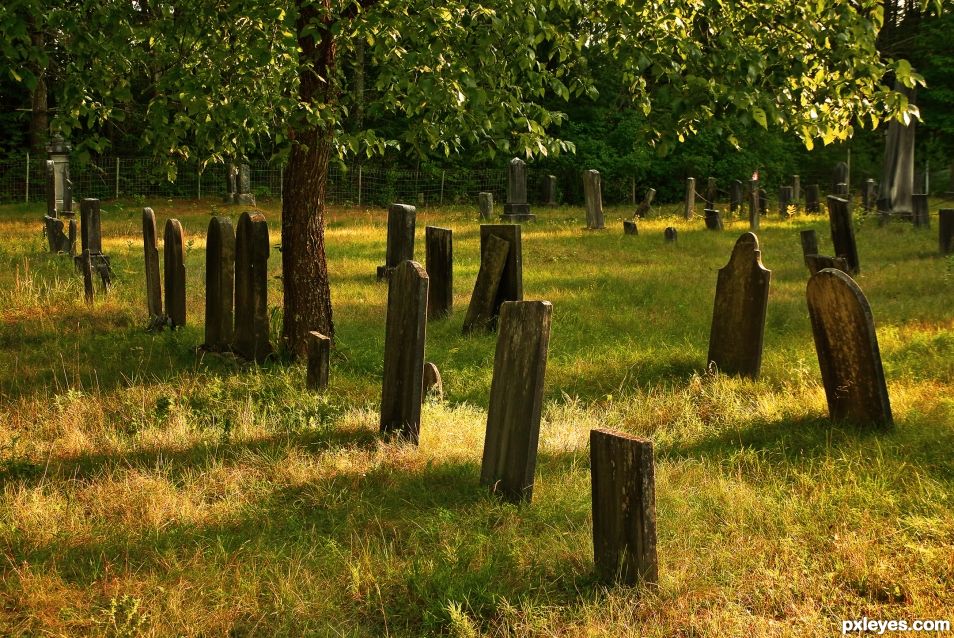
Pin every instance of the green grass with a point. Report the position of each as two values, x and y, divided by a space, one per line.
152 490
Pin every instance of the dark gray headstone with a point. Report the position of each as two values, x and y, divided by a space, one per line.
945 230
690 203
516 399
712 193
511 281
812 199
250 337
400 244
816 263
847 348
245 195
785 199
174 271
735 196
593 196
550 190
841 190
50 189
91 237
644 207
319 361
58 241
869 196
517 209
433 384
231 184
670 234
402 385
151 259
630 227
713 219
483 308
486 203
921 215
796 189
439 261
87 265
809 243
843 232
219 284
763 202
839 175
738 315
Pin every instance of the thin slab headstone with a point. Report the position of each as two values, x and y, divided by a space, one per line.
630 227
711 192
486 203
550 191
245 195
516 400
319 361
843 232
945 231
809 243
644 207
839 175
88 289
511 281
219 284
812 199
738 315
402 219
433 384
754 208
439 262
403 384
847 348
91 237
784 201
921 216
690 202
151 259
796 189
713 219
817 263
174 273
517 209
670 234
250 335
483 302
623 486
735 196
593 196
869 196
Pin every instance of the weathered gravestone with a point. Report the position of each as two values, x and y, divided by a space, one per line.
486 203
58 166
174 273
690 204
816 263
151 258
510 280
402 385
796 189
433 384
483 307
91 238
711 192
812 199
517 209
516 399
245 195
319 361
754 204
250 336
630 227
713 219
670 234
945 231
784 201
839 175
439 262
735 196
593 197
50 189
87 267
843 232
231 184
550 190
644 207
869 196
400 243
921 216
809 243
847 348
738 315
841 190
624 508
59 241
219 284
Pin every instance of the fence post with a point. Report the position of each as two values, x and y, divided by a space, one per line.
359 186
28 177
443 173
117 178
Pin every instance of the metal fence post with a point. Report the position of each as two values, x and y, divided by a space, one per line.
117 178
359 185
28 177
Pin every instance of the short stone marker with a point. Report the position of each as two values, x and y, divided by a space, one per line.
439 262
690 203
483 302
486 203
402 384
713 219
550 191
516 399
816 263
319 361
738 314
945 231
593 196
250 336
87 265
644 207
735 196
174 273
624 508
754 207
400 247
219 284
847 348
920 217
812 199
785 199
869 196
151 258
670 234
843 232
433 384
809 243
630 227
517 209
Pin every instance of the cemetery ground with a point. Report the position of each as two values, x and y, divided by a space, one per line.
150 489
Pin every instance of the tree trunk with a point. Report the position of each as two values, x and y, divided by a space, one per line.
307 294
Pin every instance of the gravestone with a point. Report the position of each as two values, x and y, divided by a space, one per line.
486 203
921 216
670 234
784 201
735 196
690 203
87 265
231 184
839 175
593 196
402 384
433 384
91 237
624 508
841 190
643 209
151 259
550 190
763 202
250 335
439 262
843 232
738 315
711 192
869 196
482 310
516 400
847 348
245 195
713 219
816 263
510 287
945 231
59 241
630 227
319 361
809 243
517 209
174 273
812 199
796 189
400 243
754 208
58 158
219 284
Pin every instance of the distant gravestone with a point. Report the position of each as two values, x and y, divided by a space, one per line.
439 261
839 176
231 184
174 273
643 209
754 207
785 199
711 192
869 196
841 190
402 384
735 196
713 219
483 302
517 209
91 236
812 199
151 258
593 196
245 195
817 263
402 219
550 191
809 243
847 348
511 280
319 361
763 202
945 228
921 216
486 203
624 508
690 203
796 189
219 284
843 232
250 335
58 240
670 234
433 384
738 315
516 400
630 227
50 189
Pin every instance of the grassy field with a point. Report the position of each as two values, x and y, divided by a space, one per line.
150 490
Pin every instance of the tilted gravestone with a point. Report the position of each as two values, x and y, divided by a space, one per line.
151 258
630 227
735 196
670 234
486 203
250 335
843 232
433 383
847 348
812 199
784 201
174 273
402 384
690 203
511 279
754 206
439 261
713 219
400 243
920 214
593 197
516 399
623 486
644 207
550 191
809 243
482 310
219 284
945 231
738 315
319 361
517 209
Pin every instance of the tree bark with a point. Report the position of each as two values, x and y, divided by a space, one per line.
307 294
